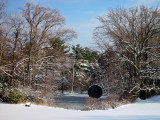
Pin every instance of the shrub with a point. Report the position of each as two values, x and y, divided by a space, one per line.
36 96
26 94
31 95
1 88
13 96
107 103
111 101
127 97
3 85
92 103
146 93
158 92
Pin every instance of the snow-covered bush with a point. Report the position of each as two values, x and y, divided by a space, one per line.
24 94
37 96
104 104
1 88
3 85
111 101
126 97
31 95
92 104
49 99
13 95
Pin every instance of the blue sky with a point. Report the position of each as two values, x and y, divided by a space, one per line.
81 15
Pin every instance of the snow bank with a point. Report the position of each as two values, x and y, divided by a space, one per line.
142 110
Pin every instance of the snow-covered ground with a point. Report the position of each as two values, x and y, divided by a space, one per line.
141 110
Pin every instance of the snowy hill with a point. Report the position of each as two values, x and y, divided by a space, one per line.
141 110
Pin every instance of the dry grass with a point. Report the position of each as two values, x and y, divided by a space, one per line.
107 103
92 103
41 104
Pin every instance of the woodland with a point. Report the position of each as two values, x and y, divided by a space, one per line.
37 62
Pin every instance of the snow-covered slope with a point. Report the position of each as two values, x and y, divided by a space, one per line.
141 110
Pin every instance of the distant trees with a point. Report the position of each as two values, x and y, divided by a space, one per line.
85 59
57 46
84 53
134 34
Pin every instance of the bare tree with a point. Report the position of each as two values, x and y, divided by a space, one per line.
134 35
43 24
16 38
2 31
2 7
24 40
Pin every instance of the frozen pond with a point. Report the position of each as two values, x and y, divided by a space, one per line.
71 102
75 101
